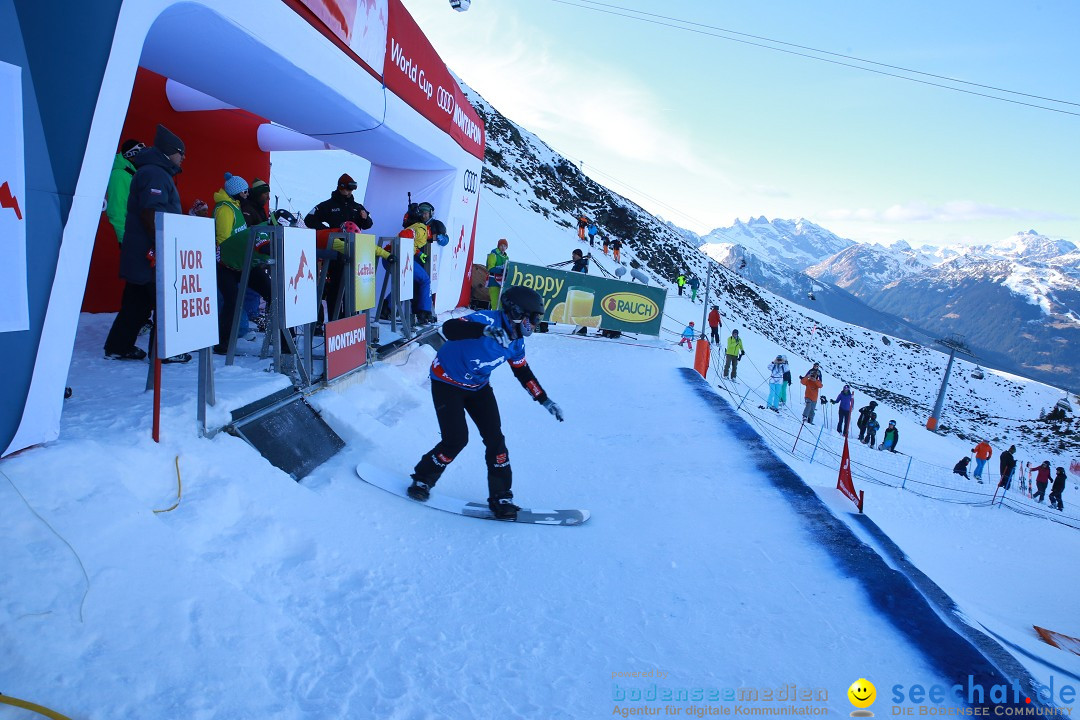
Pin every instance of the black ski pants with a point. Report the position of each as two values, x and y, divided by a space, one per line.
1040 493
731 362
229 286
715 334
451 405
136 306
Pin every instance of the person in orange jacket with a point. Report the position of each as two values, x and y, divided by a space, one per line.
812 382
983 452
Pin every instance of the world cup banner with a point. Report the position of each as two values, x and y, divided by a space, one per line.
14 303
587 300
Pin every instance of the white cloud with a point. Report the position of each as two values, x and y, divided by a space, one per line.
597 114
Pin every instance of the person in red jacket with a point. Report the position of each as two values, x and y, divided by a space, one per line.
714 324
1042 479
983 452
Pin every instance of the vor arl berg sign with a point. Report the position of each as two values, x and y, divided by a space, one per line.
580 299
186 284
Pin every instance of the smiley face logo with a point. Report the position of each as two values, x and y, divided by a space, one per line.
862 694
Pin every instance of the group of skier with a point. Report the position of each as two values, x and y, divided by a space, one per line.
1038 478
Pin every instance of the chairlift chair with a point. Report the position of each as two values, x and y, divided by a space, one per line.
460 5
1063 404
977 373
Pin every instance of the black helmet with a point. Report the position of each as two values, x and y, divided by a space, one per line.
426 207
522 305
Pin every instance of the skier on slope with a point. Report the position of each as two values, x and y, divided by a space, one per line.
477 344
688 337
891 437
846 398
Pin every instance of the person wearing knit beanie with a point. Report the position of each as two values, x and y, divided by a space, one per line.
167 142
259 186
234 185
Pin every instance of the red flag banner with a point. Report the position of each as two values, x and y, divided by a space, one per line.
843 482
1059 640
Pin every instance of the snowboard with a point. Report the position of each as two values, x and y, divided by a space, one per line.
396 483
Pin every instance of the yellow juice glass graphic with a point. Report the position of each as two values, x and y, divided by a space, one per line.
579 303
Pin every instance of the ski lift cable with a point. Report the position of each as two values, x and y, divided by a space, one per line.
826 60
834 54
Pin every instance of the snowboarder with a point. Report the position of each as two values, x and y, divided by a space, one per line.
1042 479
777 368
496 264
961 467
846 399
460 373
812 382
714 324
688 337
1007 464
1056 489
891 437
864 417
733 355
983 452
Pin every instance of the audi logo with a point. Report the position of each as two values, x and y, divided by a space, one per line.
472 181
445 100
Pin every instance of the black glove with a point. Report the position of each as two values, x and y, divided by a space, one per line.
554 409
833 402
741 354
824 401
499 335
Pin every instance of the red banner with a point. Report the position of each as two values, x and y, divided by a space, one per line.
416 74
346 345
843 482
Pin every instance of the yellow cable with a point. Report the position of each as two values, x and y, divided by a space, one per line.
179 489
32 707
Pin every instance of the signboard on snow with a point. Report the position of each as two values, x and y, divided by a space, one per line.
404 251
346 345
301 297
14 304
186 267
591 301
364 282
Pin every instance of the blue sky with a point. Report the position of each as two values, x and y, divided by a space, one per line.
703 131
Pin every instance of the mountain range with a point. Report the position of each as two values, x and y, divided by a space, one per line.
760 282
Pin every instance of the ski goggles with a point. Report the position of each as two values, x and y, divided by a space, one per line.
528 321
348 185
134 151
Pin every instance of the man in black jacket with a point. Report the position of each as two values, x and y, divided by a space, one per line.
864 418
153 189
339 209
332 214
1007 465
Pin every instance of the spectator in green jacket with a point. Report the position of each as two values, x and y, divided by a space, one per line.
116 194
733 355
